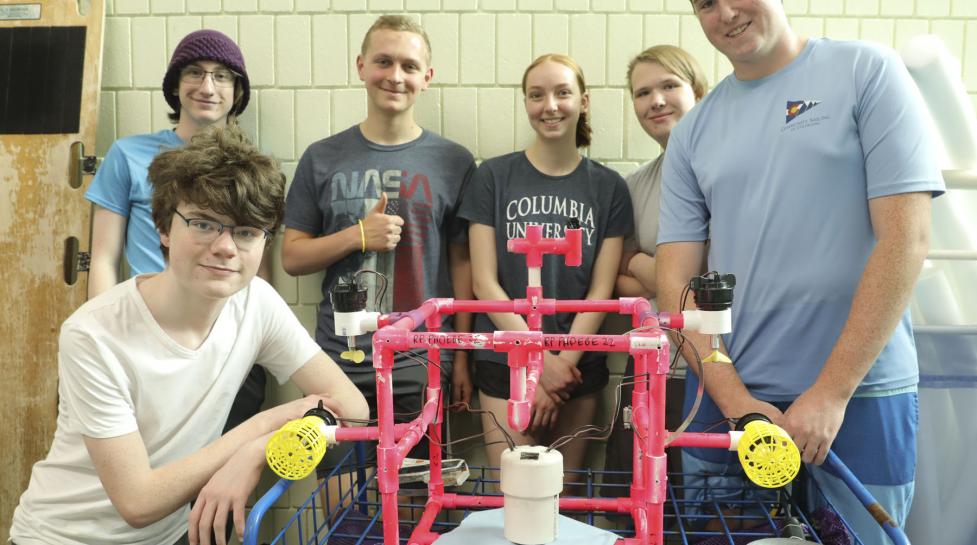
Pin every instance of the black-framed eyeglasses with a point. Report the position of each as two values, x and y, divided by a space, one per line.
207 231
195 75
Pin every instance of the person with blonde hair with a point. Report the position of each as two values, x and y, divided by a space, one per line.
665 82
547 184
383 195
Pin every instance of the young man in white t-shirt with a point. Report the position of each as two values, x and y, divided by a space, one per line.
148 369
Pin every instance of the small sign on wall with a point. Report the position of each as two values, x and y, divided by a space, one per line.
16 12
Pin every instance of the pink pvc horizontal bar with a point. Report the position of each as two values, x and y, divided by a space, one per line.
454 341
583 305
567 503
610 505
585 343
486 341
456 501
705 440
369 433
414 318
588 305
484 306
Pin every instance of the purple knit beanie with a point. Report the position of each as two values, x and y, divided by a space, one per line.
207 45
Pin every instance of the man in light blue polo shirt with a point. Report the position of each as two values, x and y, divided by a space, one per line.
810 171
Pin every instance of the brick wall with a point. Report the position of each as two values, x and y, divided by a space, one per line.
300 57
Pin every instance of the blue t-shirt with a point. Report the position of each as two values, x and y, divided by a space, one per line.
122 186
777 173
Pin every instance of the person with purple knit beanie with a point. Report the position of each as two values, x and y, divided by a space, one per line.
206 84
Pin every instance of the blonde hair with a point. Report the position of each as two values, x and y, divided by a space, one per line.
583 133
677 61
399 23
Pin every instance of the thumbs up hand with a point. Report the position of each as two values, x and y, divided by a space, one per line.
382 231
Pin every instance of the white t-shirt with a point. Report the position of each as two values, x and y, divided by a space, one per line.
119 373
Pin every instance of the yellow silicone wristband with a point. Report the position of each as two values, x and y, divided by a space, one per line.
362 237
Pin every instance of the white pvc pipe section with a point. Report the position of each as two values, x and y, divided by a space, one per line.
960 179
953 255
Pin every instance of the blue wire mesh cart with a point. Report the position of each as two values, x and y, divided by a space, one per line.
354 516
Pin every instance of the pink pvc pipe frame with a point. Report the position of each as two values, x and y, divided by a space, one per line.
649 347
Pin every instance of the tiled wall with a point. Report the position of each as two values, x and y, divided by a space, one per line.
300 56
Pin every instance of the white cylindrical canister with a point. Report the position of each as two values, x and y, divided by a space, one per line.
347 323
532 479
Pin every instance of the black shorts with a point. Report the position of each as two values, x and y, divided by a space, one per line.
492 378
410 385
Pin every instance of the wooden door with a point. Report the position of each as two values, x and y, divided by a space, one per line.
42 43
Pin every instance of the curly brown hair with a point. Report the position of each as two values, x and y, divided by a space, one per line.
219 170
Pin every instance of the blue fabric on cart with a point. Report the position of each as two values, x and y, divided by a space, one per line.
485 528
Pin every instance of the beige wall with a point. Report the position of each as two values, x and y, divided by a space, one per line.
300 58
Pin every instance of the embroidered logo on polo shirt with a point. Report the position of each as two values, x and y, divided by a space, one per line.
798 118
798 107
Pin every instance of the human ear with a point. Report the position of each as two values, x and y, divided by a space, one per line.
360 63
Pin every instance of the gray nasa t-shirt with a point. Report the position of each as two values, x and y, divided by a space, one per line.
509 193
338 181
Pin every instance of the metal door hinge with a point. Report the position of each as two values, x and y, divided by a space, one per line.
80 164
75 260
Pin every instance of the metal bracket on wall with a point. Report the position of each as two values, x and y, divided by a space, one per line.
80 164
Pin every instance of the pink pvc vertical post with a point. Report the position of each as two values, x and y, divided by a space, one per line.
518 403
387 463
640 480
436 484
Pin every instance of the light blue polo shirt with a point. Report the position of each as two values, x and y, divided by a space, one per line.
778 174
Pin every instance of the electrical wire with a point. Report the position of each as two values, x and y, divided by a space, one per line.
383 286
564 440
508 438
421 362
605 431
